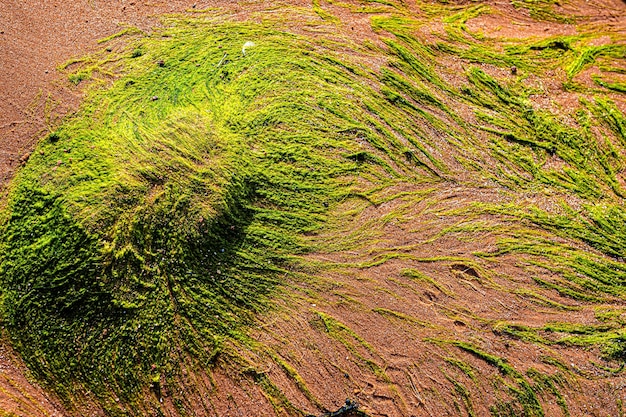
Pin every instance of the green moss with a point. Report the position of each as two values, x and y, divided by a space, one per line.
78 77
607 337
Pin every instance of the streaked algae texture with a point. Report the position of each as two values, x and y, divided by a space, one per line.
154 223
150 228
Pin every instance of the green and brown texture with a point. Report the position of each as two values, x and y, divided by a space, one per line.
268 215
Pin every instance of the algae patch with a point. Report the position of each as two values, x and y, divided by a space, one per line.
150 229
155 222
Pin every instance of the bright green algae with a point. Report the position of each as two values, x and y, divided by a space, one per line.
157 222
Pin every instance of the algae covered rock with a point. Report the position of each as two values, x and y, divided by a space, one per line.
143 232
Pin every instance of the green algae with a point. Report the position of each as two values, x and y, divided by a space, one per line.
543 10
523 395
168 205
155 224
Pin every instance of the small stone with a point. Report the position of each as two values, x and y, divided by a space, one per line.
109 49
161 63
246 46
155 98
514 70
